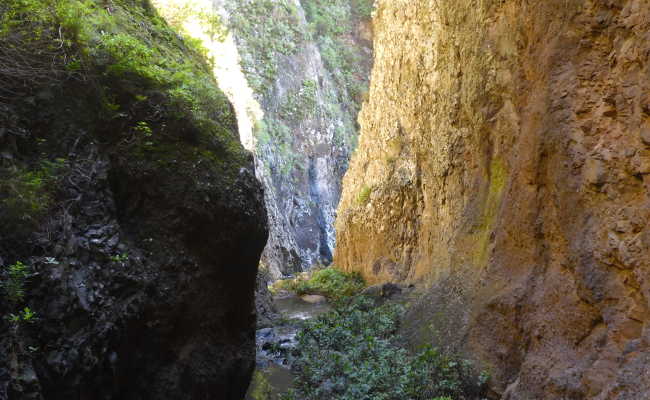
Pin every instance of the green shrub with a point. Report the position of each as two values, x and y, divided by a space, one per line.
129 55
301 103
26 194
14 285
24 315
15 279
352 353
329 282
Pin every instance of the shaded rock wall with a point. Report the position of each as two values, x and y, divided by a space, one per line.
309 79
503 162
139 216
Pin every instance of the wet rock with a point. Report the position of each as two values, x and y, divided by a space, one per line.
314 298
265 333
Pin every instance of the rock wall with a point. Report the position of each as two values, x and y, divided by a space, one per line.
125 191
308 63
503 162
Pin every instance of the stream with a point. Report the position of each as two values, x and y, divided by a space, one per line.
273 369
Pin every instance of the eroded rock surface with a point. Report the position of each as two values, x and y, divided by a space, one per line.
503 162
309 77
138 215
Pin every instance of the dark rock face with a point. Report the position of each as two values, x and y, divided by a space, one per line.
144 256
267 314
150 293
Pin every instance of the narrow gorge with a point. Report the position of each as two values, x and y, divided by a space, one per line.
324 199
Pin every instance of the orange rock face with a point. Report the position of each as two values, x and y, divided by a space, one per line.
504 163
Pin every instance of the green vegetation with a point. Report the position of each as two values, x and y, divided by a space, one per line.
301 103
364 195
331 24
15 279
126 50
14 284
353 353
120 258
274 134
26 194
269 29
329 282
260 388
24 315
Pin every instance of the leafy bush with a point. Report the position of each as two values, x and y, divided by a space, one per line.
26 194
301 103
329 282
14 284
24 315
15 279
351 354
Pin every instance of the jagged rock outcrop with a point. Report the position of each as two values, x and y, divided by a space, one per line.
127 194
503 162
308 63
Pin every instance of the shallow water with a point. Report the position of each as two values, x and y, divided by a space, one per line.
273 373
293 307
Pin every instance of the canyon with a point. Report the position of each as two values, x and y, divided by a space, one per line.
486 163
